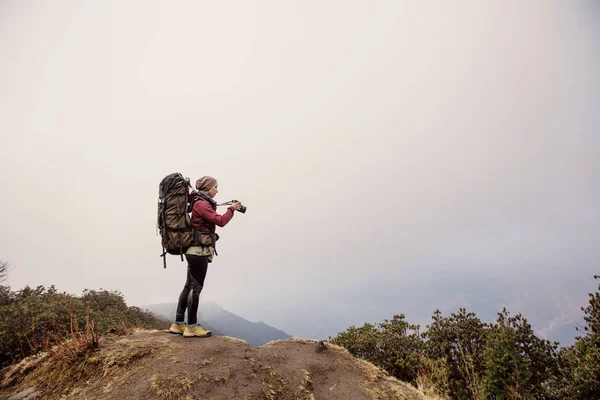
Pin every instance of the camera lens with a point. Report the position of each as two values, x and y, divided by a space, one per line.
242 209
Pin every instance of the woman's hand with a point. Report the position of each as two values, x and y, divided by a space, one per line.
236 205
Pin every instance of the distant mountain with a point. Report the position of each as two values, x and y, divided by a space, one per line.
224 323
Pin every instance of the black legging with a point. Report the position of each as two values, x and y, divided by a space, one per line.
197 266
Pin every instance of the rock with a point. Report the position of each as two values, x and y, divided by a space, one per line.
320 347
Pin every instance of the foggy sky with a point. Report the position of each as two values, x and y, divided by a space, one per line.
394 157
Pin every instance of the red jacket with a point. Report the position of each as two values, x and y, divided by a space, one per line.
205 218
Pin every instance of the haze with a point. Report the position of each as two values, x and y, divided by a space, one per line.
394 157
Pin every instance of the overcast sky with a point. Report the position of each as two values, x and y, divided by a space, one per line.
394 156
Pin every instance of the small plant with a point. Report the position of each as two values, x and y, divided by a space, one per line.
76 343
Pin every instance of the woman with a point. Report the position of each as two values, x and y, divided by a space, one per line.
200 253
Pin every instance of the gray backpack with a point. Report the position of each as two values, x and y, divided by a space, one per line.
173 222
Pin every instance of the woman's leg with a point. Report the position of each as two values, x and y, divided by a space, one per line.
183 298
198 266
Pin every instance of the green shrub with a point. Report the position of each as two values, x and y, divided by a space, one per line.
517 361
393 345
32 320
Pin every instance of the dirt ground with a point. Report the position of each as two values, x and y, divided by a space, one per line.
159 365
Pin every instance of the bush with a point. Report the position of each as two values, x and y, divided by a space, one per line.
517 361
392 345
580 364
461 357
32 320
459 340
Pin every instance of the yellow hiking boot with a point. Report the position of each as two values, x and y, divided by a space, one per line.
177 329
198 331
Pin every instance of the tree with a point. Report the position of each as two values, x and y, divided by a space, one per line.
6 295
104 300
394 345
517 362
585 375
458 340
592 313
4 267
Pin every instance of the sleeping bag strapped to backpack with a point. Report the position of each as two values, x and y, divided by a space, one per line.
173 220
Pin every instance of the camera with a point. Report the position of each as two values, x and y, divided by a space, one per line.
242 208
228 203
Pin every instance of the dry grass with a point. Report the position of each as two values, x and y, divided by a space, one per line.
430 391
432 379
206 361
304 341
120 357
73 360
429 387
294 339
171 386
233 339
306 380
63 362
306 387
17 372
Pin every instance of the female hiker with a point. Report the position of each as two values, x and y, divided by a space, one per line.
199 254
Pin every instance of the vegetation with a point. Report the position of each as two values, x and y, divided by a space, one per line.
461 357
32 320
4 266
456 357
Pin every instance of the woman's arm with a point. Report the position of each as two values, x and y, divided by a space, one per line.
206 212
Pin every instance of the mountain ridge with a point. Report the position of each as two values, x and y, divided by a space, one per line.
158 365
224 323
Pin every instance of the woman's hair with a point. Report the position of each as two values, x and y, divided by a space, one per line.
205 183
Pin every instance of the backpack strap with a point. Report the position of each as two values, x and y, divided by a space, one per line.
181 246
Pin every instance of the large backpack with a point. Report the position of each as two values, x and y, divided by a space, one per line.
173 219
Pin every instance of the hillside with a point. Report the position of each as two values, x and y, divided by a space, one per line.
158 365
222 322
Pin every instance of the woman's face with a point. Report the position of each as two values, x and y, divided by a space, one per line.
212 192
